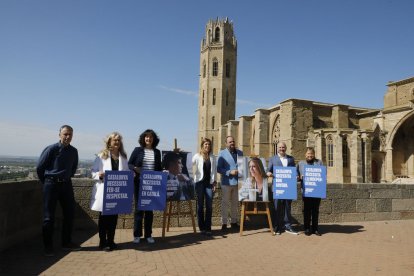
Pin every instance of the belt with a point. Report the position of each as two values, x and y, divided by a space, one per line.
57 179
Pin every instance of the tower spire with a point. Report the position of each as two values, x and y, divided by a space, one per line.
217 84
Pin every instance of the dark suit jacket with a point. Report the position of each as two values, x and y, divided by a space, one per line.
275 161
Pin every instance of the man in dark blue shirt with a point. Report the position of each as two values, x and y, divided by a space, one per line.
57 164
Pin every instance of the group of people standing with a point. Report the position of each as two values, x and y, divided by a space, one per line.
58 163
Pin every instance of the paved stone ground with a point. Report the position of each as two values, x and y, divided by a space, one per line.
358 248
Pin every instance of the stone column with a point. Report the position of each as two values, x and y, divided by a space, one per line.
338 159
221 143
389 173
261 133
368 159
320 150
233 130
244 134
356 158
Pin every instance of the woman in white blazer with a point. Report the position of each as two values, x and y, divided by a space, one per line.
205 177
111 158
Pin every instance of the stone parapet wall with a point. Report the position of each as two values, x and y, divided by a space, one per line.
21 207
20 212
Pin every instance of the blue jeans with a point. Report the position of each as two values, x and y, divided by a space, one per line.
52 193
204 194
283 214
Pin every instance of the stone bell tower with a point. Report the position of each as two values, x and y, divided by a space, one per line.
217 89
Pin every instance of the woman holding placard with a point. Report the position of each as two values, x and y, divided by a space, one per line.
146 157
310 204
111 158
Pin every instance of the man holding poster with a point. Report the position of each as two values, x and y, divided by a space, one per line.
282 206
310 202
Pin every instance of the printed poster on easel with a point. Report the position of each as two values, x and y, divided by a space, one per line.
180 185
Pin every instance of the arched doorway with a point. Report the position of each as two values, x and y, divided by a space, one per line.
403 149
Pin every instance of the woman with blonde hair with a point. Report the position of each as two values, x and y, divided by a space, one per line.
255 188
205 178
111 158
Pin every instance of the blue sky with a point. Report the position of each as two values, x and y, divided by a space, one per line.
102 66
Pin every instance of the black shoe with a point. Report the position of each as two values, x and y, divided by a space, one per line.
208 233
291 231
235 226
307 232
49 252
102 245
276 232
112 246
317 233
224 228
71 246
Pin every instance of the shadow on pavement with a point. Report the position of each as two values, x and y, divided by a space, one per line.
28 257
170 242
337 228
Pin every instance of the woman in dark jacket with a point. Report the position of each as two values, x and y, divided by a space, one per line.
144 158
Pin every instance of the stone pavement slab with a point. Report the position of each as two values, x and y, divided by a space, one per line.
357 248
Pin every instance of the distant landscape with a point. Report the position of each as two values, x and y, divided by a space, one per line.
17 168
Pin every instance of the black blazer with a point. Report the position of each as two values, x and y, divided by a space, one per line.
137 157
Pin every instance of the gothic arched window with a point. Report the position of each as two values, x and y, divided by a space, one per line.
214 96
329 150
375 144
212 122
276 134
215 67
217 35
227 69
204 69
202 99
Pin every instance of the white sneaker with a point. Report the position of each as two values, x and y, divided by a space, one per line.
136 240
150 240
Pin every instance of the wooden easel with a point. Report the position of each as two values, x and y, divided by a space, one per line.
255 211
169 207
166 221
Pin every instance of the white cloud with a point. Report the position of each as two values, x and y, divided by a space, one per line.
195 94
180 91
